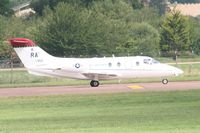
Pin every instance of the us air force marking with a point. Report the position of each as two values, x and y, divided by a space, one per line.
77 65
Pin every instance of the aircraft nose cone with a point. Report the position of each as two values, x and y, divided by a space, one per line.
178 71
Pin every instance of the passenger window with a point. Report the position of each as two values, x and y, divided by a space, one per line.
118 64
109 64
137 63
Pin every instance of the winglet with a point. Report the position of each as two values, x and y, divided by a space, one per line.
21 42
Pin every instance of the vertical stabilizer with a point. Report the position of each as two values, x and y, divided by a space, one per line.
30 54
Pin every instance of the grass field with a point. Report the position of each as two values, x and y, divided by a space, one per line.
22 78
179 59
152 112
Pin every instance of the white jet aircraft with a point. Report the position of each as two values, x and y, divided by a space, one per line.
39 62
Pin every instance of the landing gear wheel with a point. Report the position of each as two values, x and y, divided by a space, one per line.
94 83
164 81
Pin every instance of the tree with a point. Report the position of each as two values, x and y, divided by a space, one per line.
174 33
39 5
194 35
70 30
136 4
146 15
196 47
60 30
143 39
123 11
100 29
4 8
4 47
160 5
5 50
117 10
11 27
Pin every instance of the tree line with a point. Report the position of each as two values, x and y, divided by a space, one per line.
84 28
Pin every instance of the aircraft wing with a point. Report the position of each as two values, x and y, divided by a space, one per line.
95 75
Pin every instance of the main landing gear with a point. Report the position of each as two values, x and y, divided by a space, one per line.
164 81
94 83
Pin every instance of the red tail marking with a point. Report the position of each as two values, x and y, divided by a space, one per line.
21 42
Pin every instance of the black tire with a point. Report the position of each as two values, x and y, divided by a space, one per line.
164 81
94 83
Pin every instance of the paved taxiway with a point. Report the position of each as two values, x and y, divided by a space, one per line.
113 88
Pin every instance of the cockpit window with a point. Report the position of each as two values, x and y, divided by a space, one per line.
155 61
150 61
147 61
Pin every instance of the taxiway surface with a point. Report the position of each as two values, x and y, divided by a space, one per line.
112 88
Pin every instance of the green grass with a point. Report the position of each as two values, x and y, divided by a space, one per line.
22 78
179 59
191 72
152 112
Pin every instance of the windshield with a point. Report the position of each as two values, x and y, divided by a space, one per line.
150 61
155 61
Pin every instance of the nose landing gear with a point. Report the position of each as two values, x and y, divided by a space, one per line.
94 83
164 81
